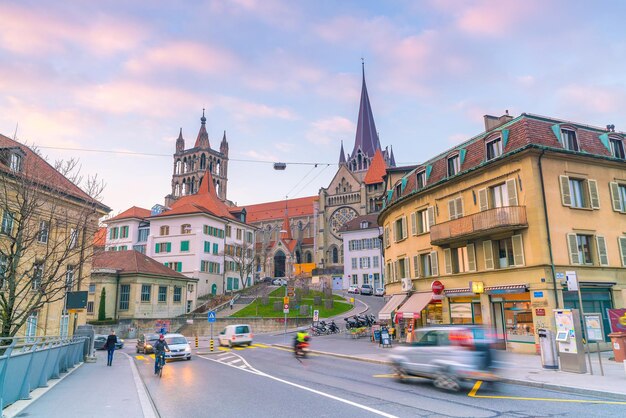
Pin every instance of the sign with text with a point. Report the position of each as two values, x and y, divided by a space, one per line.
286 308
593 327
316 315
617 319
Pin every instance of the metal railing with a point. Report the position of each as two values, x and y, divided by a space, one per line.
28 363
479 223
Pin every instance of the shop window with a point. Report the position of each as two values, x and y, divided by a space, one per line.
518 318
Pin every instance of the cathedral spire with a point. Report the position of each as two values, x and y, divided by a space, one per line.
342 155
180 142
392 159
366 135
203 136
224 145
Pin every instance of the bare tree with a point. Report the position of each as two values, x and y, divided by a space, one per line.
240 259
46 235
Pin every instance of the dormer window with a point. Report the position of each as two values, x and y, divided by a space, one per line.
15 162
421 179
494 148
398 190
454 165
617 148
364 225
569 139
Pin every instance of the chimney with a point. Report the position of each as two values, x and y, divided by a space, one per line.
492 122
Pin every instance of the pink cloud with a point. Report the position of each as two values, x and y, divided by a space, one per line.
242 109
591 99
331 130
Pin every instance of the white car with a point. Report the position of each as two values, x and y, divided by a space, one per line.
354 289
379 291
179 347
279 282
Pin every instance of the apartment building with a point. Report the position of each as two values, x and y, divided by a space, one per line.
363 261
486 233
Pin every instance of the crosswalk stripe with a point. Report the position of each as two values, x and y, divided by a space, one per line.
139 357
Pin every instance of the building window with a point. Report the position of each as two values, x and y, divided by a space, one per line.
364 262
124 231
617 148
580 248
455 208
162 294
184 246
494 148
375 262
37 276
577 194
228 230
145 292
399 229
4 264
73 238
499 196
366 278
355 279
69 278
190 288
401 268
143 234
125 297
140 248
90 307
454 165
215 248
178 294
335 255
189 305
63 325
175 265
421 179
164 230
163 247
122 248
7 222
423 220
44 229
618 196
569 139
114 233
31 325
185 229
504 253
16 162
92 288
239 234
354 263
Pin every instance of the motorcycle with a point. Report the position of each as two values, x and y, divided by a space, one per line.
301 348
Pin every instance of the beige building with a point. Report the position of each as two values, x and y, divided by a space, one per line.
501 219
137 287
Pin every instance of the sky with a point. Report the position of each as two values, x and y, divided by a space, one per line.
112 82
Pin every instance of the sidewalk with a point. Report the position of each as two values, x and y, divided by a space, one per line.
90 390
520 369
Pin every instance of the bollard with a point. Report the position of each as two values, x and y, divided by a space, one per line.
196 341
211 344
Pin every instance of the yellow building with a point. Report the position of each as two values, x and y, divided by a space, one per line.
501 219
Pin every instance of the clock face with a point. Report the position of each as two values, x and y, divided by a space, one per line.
340 217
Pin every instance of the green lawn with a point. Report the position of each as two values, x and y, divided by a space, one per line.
280 292
256 309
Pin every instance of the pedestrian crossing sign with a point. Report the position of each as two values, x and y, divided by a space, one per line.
211 316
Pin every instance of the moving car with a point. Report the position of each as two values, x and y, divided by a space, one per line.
279 282
239 334
145 343
179 347
353 289
367 289
447 355
100 340
379 291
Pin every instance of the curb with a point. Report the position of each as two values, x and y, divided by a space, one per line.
344 356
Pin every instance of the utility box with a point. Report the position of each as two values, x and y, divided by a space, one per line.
569 337
549 354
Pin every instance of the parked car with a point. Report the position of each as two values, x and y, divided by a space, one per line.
367 289
179 347
279 282
145 343
379 291
447 355
240 334
100 340
353 289
267 280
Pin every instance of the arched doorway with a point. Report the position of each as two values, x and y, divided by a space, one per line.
214 289
279 264
298 257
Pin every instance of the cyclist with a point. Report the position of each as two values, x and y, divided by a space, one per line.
301 338
159 352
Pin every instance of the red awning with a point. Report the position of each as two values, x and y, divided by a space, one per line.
413 307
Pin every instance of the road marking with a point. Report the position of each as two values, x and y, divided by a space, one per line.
473 394
139 357
259 345
395 376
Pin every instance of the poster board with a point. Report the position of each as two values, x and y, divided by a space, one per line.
593 327
385 339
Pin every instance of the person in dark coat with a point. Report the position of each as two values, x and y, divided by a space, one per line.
110 346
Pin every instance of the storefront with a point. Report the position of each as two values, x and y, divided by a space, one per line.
387 312
413 313
464 307
596 297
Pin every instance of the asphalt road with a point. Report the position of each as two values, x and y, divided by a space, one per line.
268 381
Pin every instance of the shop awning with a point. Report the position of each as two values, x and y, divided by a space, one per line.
412 308
464 291
392 305
506 289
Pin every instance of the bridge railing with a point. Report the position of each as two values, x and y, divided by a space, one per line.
27 363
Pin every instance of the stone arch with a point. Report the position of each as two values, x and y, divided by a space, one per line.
333 253
178 166
202 162
308 257
279 264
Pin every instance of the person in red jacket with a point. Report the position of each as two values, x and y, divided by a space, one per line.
110 346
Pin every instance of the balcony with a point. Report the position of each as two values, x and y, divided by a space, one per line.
490 221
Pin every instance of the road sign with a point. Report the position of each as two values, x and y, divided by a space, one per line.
572 281
286 308
286 300
291 291
211 316
316 315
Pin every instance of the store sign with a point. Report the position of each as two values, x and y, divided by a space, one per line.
437 287
477 287
617 319
461 310
538 294
540 312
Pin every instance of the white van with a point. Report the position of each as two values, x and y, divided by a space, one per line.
239 334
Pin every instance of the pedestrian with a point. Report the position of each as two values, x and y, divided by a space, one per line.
110 346
232 301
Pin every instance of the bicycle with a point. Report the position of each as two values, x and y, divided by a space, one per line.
160 363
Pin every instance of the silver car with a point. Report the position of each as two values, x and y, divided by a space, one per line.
448 355
179 347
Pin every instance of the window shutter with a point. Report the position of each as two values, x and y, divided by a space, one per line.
447 260
459 207
396 269
434 263
621 241
452 209
404 228
593 194
615 198
429 170
505 138
604 138
416 266
462 157
511 188
488 253
169 247
156 248
556 130
431 216
603 256
407 267
394 232
518 250
566 196
471 257
413 224
483 202
572 245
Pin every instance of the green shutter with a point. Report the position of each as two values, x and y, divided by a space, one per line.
462 157
156 248
505 138
179 266
168 247
556 130
184 245
429 170
403 185
389 194
604 138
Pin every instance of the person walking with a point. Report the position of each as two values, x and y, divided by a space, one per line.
232 301
110 346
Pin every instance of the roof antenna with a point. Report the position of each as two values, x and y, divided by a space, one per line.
15 134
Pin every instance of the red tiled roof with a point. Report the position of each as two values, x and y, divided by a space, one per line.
377 170
302 206
100 237
132 261
38 170
134 212
205 201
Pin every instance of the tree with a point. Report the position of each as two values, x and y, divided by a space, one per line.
239 258
46 235
102 308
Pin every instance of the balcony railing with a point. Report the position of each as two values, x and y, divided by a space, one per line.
478 224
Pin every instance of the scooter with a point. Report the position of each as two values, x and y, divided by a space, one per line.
301 348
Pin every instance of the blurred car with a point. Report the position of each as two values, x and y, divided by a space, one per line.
239 334
267 280
353 289
379 291
100 340
447 355
279 282
179 347
367 289
145 343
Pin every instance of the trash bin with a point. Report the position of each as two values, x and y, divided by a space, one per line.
547 345
618 341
